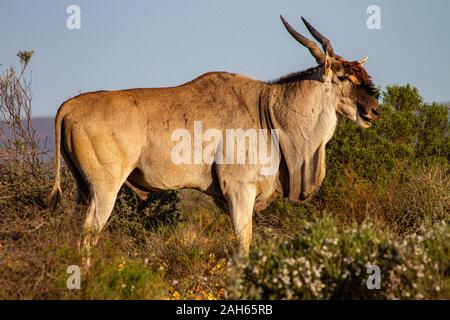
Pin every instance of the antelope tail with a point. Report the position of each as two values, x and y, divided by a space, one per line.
55 196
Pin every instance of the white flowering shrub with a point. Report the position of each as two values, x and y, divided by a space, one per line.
324 261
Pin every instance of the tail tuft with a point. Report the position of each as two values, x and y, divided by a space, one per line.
55 197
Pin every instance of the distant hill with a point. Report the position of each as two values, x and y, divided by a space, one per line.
45 131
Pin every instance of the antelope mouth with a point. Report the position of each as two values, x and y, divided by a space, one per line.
365 118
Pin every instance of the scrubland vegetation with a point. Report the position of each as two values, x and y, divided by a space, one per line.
385 201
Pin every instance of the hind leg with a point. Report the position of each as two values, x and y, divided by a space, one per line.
101 204
104 162
100 184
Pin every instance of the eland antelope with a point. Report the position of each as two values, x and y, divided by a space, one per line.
108 138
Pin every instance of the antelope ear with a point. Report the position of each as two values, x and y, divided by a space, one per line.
363 60
327 71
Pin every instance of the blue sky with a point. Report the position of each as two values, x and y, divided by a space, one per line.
153 43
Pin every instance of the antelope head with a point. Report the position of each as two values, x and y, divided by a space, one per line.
356 94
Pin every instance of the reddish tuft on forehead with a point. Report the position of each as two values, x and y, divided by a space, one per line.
356 69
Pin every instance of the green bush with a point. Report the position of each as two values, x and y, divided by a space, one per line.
410 135
409 132
433 138
402 98
325 262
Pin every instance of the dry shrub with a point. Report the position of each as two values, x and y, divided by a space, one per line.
407 200
30 235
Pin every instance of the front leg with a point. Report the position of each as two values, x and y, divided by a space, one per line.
241 199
